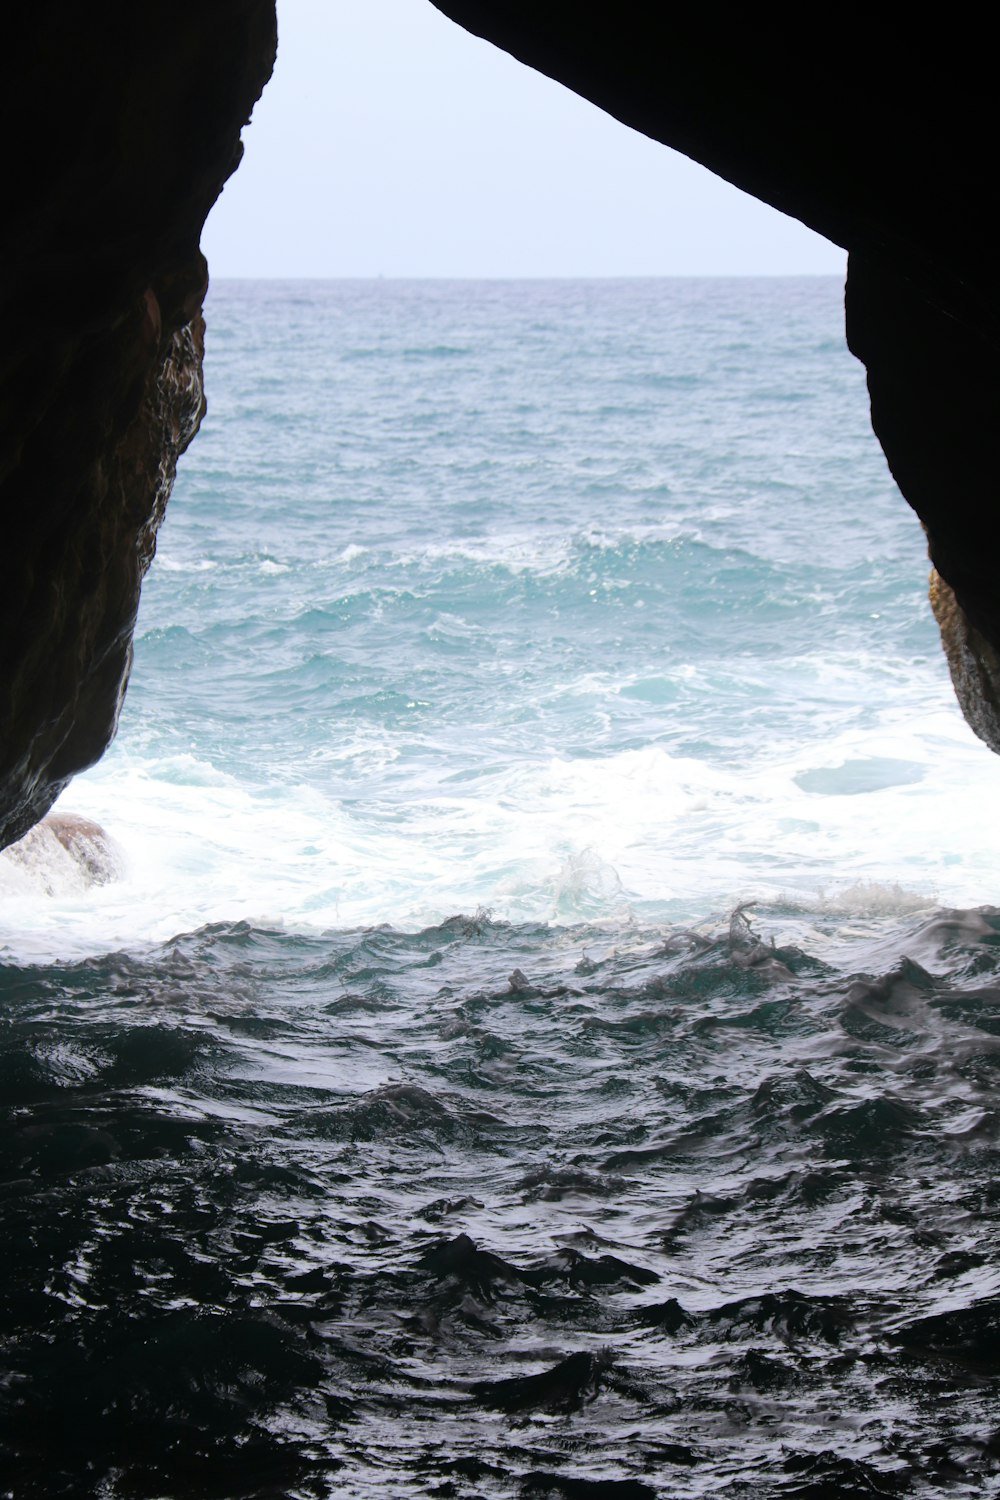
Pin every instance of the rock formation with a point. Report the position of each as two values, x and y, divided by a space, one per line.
62 855
122 122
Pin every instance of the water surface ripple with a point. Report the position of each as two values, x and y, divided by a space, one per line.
499 1209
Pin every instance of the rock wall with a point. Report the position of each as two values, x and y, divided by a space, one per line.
876 127
121 122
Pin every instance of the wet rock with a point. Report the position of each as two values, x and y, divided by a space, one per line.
64 853
127 122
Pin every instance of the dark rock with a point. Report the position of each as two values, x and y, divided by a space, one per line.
66 852
122 123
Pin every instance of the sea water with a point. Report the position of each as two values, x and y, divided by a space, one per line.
544 1036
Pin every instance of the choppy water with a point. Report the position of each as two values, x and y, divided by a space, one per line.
424 1111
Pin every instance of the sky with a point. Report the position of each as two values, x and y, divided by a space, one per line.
390 142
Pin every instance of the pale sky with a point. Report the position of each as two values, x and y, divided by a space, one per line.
390 142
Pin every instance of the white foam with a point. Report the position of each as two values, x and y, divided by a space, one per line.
167 564
638 833
352 552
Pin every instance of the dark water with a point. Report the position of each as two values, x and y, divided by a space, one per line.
506 1210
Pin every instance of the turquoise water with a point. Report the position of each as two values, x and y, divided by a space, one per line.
543 1037
563 600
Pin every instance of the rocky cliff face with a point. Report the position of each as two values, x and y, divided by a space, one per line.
121 123
877 129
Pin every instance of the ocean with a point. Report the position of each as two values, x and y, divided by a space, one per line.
543 1035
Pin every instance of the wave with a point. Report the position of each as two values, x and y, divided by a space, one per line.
607 1206
384 826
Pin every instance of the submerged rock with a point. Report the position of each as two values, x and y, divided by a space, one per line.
64 853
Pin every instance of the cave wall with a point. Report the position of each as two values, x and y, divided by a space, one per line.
122 122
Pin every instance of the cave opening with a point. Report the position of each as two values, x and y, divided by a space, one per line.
698 462
544 1040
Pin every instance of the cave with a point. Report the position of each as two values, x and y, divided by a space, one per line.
878 141
227 1276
